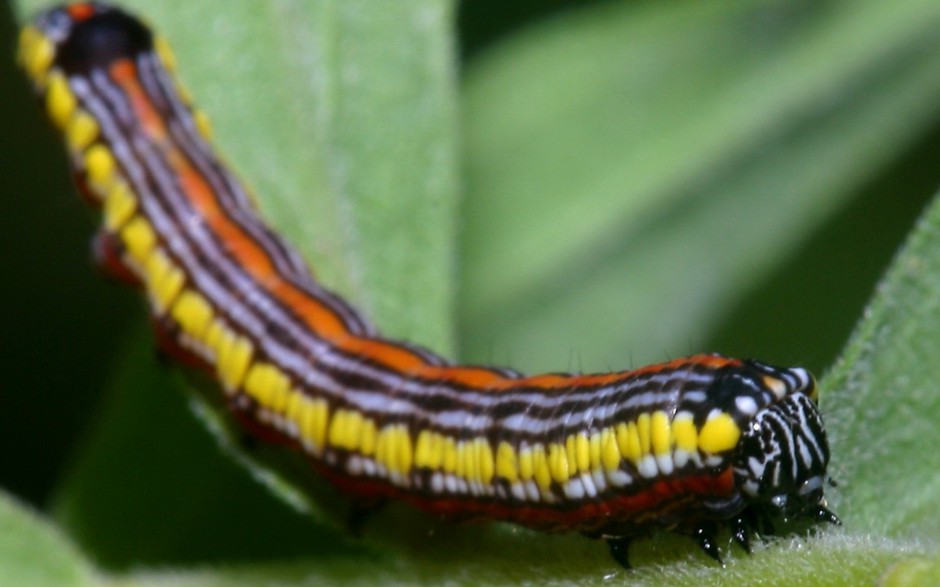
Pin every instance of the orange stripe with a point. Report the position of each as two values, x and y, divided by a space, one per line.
81 11
124 73
247 253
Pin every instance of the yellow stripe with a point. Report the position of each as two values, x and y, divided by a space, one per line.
139 238
193 313
719 433
526 466
100 167
610 452
643 433
80 131
558 463
60 101
36 53
541 472
684 433
507 462
660 436
119 206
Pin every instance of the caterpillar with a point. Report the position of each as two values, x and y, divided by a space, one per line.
691 445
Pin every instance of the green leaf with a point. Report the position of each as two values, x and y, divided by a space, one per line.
914 571
32 552
648 164
881 399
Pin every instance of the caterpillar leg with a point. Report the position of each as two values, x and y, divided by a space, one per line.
619 547
741 531
824 515
359 513
706 535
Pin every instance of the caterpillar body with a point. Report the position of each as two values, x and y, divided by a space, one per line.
689 445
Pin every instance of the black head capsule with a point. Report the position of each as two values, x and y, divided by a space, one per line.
781 459
89 35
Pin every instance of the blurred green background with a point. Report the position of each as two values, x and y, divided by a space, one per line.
640 180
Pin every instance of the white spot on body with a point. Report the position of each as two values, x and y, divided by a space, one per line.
437 483
695 397
680 457
665 463
746 405
802 376
600 480
533 490
713 461
574 490
647 467
587 481
619 477
293 430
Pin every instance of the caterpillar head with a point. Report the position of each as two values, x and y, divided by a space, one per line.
781 459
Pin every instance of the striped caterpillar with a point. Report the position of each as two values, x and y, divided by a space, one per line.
689 445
